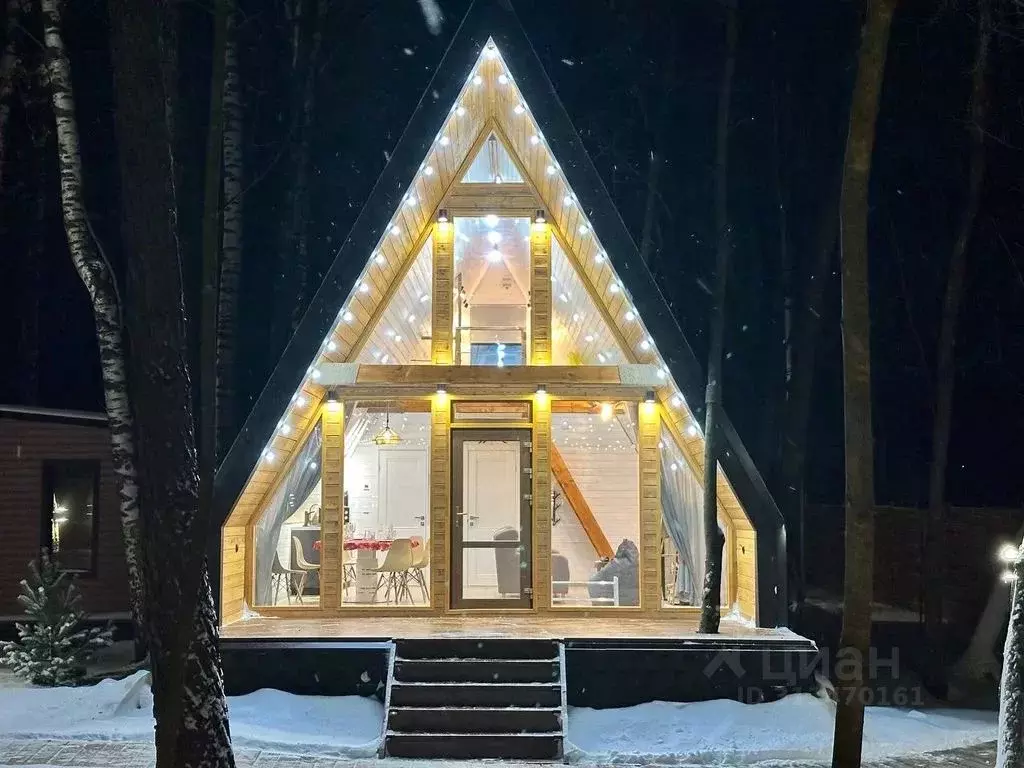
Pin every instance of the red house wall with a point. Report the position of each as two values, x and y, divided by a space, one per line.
25 442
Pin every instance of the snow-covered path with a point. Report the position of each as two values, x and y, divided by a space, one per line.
65 754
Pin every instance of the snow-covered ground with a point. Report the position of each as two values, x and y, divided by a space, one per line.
798 727
121 710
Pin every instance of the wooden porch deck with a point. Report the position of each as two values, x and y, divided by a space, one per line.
531 626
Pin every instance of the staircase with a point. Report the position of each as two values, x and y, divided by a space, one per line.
476 698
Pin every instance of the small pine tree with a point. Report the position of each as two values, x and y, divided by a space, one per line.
52 648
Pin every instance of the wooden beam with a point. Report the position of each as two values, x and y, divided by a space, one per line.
481 375
540 295
332 463
648 433
542 446
579 505
442 285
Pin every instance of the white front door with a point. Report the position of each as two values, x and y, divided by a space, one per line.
491 504
404 491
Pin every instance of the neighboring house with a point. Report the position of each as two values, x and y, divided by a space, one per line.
57 490
487 345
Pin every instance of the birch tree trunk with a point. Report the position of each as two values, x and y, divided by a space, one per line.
96 274
860 496
711 613
188 688
1010 739
231 237
945 373
11 69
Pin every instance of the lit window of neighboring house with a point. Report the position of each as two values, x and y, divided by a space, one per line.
70 517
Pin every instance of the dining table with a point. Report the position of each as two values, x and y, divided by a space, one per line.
366 550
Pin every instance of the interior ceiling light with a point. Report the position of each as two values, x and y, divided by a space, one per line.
387 436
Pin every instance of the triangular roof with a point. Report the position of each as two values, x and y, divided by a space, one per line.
617 259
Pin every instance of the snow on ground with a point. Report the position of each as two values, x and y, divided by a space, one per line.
798 727
121 710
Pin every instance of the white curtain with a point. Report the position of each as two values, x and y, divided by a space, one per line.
682 505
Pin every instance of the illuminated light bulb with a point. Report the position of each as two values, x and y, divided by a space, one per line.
424 298
315 374
460 110
645 344
662 373
1008 553
576 317
568 201
397 337
379 258
285 429
563 297
300 401
364 288
630 316
494 256
384 359
409 201
444 141
584 229
411 318
614 287
676 401
588 338
600 256
269 456
490 51
673 466
428 170
535 139
493 237
519 109
601 358
550 170
503 79
395 229
477 80
606 411
691 430
332 346
491 220
348 317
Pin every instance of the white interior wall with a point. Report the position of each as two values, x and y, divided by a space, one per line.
297 518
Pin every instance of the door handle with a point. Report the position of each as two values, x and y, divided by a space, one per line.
421 518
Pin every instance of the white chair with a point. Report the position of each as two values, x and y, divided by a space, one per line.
393 573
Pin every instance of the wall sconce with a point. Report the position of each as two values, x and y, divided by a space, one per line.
333 401
442 216
649 397
539 217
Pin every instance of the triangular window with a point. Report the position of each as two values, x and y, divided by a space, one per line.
580 333
402 334
493 165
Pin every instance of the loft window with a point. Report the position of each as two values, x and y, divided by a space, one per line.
496 354
70 517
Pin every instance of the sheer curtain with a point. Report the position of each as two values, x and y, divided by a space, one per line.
303 476
682 506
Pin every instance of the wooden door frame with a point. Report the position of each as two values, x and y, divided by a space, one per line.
524 436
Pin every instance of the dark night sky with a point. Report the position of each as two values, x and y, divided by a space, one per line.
611 63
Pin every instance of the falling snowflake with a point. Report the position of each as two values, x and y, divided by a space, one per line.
407 51
432 15
569 62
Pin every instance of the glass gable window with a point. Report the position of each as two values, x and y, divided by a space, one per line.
69 529
595 504
287 535
492 165
492 284
402 335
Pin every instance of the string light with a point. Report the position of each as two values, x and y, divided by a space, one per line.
614 287
444 141
332 346
300 401
395 229
477 80
379 258
676 401
550 170
285 429
535 139
409 201
315 374
630 316
491 220
269 455
584 229
519 109
347 317
600 256
428 171
460 110
364 288
503 79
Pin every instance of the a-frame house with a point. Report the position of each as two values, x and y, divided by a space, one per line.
489 406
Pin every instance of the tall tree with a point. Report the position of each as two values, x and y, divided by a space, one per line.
1010 740
12 69
188 689
231 237
945 373
711 614
98 277
860 491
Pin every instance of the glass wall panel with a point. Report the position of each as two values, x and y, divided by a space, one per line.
287 535
492 285
595 498
682 533
387 503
